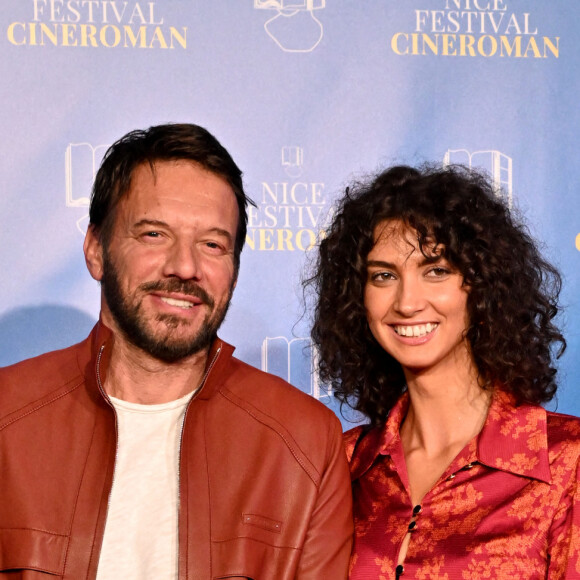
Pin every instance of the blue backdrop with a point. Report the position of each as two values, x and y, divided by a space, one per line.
305 94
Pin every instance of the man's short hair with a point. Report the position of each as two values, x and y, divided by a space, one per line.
169 142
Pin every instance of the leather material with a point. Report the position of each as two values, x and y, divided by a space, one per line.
264 484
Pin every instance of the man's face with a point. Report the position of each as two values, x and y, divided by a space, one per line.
167 271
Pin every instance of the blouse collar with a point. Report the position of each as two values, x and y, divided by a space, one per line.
513 439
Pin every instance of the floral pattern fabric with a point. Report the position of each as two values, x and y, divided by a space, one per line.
508 506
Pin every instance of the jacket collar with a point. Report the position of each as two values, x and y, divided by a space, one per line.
217 364
513 439
102 339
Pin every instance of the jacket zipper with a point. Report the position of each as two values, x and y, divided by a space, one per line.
195 393
105 396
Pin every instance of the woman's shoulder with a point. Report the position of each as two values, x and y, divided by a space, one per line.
351 439
362 445
563 432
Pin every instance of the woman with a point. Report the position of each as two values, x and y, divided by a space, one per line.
435 320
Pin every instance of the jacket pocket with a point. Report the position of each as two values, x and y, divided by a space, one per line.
29 549
252 558
262 522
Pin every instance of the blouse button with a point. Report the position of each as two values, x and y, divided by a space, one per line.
412 526
417 510
469 466
452 476
399 570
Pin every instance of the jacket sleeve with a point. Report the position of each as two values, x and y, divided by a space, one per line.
564 548
328 544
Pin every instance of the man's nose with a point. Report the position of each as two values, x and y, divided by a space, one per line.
183 261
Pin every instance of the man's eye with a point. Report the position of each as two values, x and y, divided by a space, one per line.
149 237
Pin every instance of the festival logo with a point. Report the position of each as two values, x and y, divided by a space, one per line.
96 24
290 212
81 162
295 361
497 165
474 28
292 160
294 27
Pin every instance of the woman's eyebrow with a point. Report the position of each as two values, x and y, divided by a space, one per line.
381 264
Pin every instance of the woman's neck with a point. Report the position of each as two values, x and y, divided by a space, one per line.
443 417
447 404
445 413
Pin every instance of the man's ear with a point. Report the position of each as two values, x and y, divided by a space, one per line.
93 250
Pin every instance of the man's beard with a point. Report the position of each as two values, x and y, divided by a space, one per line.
135 328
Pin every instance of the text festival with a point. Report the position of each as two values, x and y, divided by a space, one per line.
288 218
474 28
96 23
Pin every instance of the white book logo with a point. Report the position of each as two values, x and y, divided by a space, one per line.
295 361
81 162
495 163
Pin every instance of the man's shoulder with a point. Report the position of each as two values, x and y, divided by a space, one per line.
46 367
35 378
257 407
253 388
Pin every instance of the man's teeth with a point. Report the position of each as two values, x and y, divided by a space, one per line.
175 302
416 330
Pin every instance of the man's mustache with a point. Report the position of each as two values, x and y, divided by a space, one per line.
186 287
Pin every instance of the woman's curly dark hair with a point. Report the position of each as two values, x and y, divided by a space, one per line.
513 291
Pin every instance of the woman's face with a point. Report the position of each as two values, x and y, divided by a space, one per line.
416 305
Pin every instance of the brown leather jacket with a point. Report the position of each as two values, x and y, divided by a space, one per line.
264 485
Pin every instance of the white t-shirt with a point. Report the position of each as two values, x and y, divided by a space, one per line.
140 540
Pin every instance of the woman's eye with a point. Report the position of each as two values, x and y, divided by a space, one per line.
382 276
438 272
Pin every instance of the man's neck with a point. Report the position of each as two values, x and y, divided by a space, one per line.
136 377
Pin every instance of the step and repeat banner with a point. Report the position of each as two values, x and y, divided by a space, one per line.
306 95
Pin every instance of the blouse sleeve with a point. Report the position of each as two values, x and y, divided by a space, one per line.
564 545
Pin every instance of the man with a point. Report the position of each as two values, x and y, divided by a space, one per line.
148 451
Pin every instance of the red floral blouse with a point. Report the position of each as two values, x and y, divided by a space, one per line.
508 506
